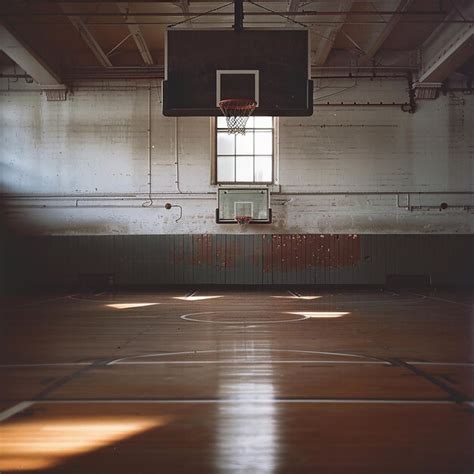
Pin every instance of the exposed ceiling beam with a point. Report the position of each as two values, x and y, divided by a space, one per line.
293 5
448 47
28 60
137 34
88 38
184 5
381 33
327 35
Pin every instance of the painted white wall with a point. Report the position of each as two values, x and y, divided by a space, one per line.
96 143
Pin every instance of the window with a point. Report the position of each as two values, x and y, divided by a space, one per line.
245 158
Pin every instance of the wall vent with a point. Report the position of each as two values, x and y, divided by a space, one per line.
55 95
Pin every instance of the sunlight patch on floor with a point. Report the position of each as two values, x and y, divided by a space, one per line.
129 305
292 297
320 314
195 298
42 444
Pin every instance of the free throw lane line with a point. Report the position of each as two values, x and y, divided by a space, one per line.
8 413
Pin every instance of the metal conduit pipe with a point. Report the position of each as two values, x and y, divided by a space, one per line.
361 104
368 193
350 75
441 207
149 202
207 195
85 198
76 202
176 154
365 68
166 206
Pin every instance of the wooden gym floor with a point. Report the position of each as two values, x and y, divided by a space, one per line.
224 381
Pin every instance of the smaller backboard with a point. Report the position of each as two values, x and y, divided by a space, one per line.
233 203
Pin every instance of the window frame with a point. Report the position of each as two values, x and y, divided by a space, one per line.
214 176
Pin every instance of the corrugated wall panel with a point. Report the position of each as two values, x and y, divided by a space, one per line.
241 259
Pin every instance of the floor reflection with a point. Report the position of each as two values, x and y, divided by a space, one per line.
247 429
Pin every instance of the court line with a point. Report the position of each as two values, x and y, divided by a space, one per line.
252 362
455 364
455 394
124 361
262 400
63 380
212 351
8 413
443 299
186 317
46 364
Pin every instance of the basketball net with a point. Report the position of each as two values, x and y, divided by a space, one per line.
243 220
237 112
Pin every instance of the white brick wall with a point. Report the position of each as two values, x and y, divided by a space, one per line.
96 142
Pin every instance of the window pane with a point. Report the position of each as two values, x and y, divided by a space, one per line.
245 158
263 122
244 144
225 168
225 144
263 168
263 143
244 168
221 123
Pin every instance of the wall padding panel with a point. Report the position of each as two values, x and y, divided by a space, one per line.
262 259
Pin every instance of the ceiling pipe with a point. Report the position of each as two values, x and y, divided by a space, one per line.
157 72
362 104
366 68
359 76
248 23
286 13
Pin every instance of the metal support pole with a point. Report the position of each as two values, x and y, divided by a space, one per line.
238 15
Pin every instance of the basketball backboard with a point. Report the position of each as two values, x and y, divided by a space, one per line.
205 66
243 202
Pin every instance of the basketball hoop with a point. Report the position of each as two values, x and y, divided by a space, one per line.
243 220
237 112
